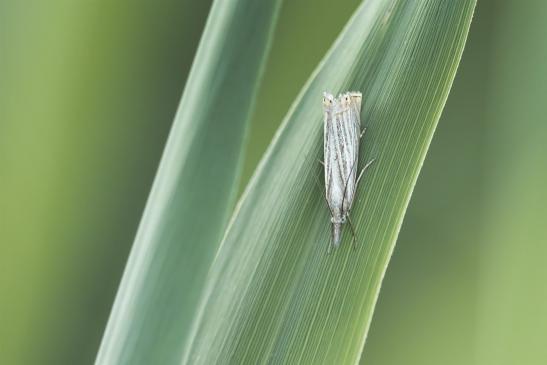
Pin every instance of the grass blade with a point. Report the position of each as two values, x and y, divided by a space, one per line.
273 294
194 189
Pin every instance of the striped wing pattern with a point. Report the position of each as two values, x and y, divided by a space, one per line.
341 150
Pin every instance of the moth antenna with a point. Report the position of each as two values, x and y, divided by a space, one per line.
347 180
363 171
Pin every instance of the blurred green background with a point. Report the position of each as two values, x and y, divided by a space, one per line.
88 91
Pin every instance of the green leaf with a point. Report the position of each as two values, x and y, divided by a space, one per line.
194 190
273 294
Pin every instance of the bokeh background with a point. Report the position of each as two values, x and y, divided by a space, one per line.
88 91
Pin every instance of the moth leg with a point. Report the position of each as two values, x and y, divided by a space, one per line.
317 182
362 132
321 162
363 170
352 233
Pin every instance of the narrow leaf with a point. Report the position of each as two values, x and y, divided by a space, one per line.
273 293
194 189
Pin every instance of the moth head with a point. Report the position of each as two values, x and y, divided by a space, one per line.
345 100
328 100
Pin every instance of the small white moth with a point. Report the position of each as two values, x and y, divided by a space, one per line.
342 133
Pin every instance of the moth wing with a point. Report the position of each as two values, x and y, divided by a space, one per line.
328 108
328 112
352 122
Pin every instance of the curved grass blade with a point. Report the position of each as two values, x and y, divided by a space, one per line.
273 294
194 189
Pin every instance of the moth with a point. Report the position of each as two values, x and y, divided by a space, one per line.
342 135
